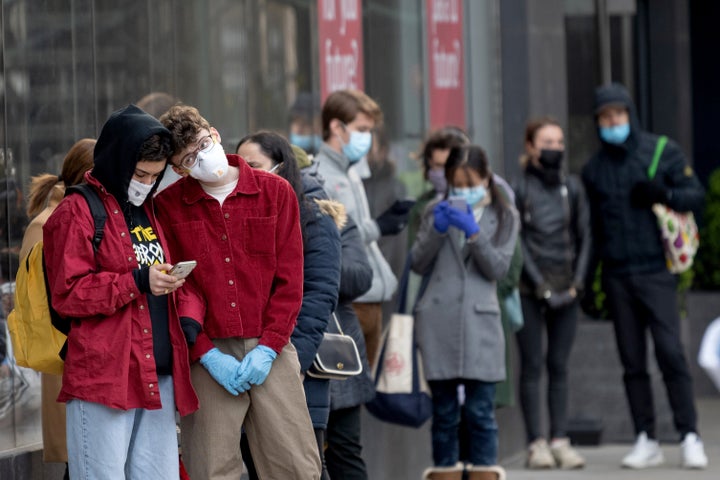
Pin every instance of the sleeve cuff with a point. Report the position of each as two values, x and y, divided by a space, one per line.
203 344
142 279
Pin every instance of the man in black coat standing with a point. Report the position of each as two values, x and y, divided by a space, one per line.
641 292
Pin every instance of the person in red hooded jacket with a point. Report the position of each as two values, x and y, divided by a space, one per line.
126 368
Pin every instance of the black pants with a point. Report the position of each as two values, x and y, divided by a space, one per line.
561 325
344 449
636 303
250 465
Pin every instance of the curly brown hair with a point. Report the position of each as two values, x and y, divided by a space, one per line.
184 123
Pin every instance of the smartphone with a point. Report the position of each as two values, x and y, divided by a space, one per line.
458 203
182 269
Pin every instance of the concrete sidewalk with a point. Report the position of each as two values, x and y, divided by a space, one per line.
603 462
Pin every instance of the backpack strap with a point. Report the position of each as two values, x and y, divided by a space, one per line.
659 147
97 209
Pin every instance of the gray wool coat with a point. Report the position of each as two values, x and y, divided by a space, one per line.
457 319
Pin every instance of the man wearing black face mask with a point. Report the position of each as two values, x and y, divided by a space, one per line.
555 239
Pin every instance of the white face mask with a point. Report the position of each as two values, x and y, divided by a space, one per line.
138 192
211 166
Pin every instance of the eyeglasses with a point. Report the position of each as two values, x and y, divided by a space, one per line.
203 146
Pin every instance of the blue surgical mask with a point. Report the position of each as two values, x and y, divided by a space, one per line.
616 135
309 143
472 195
358 146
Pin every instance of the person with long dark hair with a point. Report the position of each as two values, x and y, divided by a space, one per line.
464 245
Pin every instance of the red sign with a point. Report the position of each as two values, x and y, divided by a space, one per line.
340 42
445 60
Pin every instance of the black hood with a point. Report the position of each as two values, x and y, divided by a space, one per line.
617 94
117 150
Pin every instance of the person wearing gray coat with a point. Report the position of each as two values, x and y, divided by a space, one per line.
464 246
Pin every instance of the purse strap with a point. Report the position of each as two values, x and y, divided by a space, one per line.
337 325
659 147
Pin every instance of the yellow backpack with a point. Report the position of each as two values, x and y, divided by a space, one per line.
36 343
38 333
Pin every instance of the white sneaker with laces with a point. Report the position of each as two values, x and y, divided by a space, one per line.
693 452
646 453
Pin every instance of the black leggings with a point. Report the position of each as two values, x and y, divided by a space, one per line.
561 325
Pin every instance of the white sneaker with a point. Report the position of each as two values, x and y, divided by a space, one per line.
646 453
693 452
539 455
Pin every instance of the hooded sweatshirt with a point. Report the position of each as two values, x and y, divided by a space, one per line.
626 237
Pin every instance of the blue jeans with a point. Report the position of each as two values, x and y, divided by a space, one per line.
108 443
480 416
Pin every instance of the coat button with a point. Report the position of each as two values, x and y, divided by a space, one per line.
145 330
115 212
142 307
152 393
151 385
132 295
227 215
223 237
129 259
232 304
122 234
231 282
147 355
227 259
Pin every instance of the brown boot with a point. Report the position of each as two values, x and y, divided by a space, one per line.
444 473
491 472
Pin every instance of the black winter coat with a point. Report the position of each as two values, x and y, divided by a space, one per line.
355 279
555 234
321 282
627 238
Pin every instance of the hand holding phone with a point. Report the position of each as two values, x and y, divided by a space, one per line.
458 203
182 269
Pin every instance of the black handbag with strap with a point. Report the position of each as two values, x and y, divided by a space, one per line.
337 357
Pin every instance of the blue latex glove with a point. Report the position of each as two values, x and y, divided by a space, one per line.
465 221
223 368
255 367
441 220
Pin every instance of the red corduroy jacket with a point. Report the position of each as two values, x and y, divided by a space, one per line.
249 277
110 347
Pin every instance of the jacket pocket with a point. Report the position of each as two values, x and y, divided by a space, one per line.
259 235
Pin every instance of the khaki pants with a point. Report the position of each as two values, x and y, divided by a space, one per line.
370 317
53 420
274 415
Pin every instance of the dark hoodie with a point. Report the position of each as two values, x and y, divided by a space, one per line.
118 148
626 237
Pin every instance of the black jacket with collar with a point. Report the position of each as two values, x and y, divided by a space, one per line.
555 232
627 238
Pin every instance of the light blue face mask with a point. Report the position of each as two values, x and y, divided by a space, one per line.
472 195
309 143
616 135
358 146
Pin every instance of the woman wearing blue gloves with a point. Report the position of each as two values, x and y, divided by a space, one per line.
464 246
